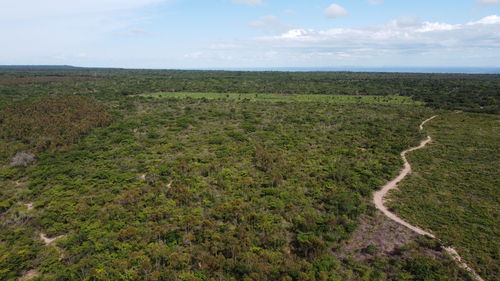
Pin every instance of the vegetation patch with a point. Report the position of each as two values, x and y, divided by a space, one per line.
477 93
51 122
332 99
14 80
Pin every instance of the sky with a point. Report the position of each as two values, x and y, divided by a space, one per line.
186 34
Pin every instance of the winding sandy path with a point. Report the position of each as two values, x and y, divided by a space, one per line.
32 273
378 200
47 240
378 197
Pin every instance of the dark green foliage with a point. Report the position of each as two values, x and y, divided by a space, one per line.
478 93
424 268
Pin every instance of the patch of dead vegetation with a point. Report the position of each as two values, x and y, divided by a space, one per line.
377 236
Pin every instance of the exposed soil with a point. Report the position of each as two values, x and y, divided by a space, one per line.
454 254
30 274
29 206
47 240
380 233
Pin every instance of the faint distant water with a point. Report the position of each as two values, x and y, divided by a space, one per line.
465 70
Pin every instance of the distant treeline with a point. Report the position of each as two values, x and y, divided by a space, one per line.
468 92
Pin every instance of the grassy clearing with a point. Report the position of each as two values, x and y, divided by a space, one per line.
334 99
455 186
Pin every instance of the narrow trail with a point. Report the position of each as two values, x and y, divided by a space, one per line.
378 200
47 240
32 273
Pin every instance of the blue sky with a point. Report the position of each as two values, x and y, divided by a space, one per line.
251 33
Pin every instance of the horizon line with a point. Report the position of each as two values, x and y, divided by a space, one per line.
382 69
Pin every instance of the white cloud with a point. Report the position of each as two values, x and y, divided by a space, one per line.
488 2
335 11
299 34
436 26
270 24
397 37
117 33
248 2
494 19
400 42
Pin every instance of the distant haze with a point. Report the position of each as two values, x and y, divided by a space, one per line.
465 70
266 34
453 70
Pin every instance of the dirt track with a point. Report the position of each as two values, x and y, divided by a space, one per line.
378 200
32 273
47 240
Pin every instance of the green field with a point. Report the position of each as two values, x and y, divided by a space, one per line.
331 99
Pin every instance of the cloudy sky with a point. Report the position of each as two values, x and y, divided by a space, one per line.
251 33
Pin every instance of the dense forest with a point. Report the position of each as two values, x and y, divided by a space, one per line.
134 186
477 93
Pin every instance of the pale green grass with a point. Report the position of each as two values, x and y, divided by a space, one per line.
335 99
